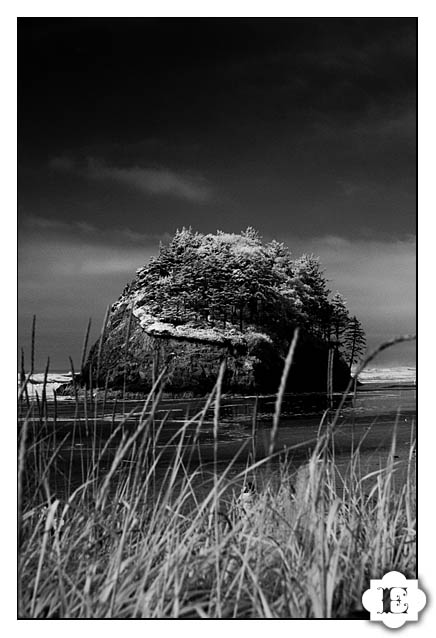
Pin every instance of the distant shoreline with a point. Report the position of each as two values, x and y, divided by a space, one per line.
395 375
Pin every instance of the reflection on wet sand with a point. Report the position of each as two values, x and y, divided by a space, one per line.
370 416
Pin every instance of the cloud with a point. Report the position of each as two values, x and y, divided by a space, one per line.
66 258
349 188
62 163
69 231
152 181
50 224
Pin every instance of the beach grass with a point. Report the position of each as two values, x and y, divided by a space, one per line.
268 541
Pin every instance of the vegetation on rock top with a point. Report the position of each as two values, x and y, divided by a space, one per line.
227 284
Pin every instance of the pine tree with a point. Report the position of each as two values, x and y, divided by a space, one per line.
339 316
311 287
354 342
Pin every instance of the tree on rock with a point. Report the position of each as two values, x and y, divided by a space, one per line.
354 341
338 318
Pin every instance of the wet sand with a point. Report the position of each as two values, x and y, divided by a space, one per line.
374 414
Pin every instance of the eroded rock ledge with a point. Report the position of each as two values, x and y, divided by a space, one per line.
136 345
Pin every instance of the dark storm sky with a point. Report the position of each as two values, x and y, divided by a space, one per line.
131 128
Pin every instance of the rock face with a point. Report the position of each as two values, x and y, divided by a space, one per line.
136 345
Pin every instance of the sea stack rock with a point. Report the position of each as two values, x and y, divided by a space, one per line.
211 298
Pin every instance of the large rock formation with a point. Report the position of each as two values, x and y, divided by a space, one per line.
208 298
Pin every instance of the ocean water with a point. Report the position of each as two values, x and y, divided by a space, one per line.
395 374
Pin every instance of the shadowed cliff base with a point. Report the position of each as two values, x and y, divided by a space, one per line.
193 364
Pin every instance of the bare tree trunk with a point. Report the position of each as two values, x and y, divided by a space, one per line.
330 376
353 350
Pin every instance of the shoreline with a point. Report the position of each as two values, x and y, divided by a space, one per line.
368 380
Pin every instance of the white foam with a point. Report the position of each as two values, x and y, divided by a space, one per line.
35 384
399 374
